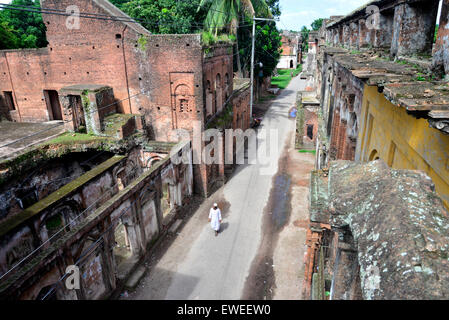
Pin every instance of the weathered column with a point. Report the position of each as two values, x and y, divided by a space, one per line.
340 35
335 37
383 30
354 35
346 35
440 61
364 35
414 28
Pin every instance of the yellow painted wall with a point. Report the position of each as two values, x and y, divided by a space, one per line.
403 141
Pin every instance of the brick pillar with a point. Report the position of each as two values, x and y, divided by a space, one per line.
414 28
346 35
335 132
354 35
340 35
440 61
341 139
335 37
364 35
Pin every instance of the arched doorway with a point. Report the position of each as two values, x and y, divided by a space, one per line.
291 64
374 155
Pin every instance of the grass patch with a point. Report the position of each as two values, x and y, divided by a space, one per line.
307 151
69 138
285 76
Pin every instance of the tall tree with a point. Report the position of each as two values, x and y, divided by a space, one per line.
28 26
226 15
165 16
8 37
316 25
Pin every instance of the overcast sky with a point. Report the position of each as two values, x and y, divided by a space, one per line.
298 13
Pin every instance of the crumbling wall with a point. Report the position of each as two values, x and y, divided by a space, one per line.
89 242
399 227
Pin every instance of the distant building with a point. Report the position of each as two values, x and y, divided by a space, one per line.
291 50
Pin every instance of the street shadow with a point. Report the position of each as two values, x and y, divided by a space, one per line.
156 284
223 226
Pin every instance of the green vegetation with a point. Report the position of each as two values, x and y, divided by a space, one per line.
285 76
164 16
22 29
69 138
234 17
436 33
209 39
316 25
142 42
307 151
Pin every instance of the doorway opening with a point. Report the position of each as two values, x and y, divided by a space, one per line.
122 249
53 105
9 100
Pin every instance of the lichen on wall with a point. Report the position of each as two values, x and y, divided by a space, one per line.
400 228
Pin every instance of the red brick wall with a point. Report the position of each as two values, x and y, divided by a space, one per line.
310 118
90 55
241 112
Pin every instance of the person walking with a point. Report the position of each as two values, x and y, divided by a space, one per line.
215 218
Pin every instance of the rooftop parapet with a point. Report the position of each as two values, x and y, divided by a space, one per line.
399 225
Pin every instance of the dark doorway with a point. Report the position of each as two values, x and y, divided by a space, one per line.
53 105
310 131
79 120
291 64
9 100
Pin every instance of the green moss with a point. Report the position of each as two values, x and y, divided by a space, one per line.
142 42
74 138
53 223
38 207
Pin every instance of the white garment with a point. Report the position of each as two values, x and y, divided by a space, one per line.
215 217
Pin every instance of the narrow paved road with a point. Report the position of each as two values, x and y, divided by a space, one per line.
199 265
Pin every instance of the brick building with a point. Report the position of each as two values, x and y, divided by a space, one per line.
382 85
169 80
291 50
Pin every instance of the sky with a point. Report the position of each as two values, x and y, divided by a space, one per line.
298 13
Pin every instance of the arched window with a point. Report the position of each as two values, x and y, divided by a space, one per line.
218 93
209 99
227 86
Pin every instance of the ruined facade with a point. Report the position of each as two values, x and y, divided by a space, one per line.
380 80
103 220
169 82
291 47
102 194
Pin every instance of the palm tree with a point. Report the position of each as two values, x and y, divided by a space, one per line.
225 15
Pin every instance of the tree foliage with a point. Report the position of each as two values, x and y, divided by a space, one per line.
316 25
22 29
267 47
165 16
225 15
